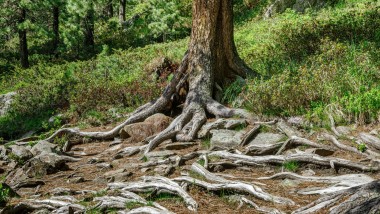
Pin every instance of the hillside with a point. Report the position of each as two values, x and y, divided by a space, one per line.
307 140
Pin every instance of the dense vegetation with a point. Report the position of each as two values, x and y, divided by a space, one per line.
317 63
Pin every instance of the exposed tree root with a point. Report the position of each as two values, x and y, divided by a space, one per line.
237 186
148 210
367 153
340 182
258 208
157 183
123 198
359 199
302 158
298 141
251 134
234 186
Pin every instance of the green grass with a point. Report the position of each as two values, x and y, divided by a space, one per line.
318 62
206 143
291 166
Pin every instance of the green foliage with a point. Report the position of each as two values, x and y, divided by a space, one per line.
362 147
201 162
16 158
233 91
206 143
4 194
133 204
291 166
315 61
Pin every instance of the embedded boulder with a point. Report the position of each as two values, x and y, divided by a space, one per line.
151 126
5 102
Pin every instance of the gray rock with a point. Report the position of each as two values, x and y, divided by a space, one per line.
21 152
344 130
320 152
3 153
43 147
267 139
226 138
159 154
5 102
179 145
289 183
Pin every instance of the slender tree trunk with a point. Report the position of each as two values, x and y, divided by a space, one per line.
89 27
123 4
55 30
23 41
109 9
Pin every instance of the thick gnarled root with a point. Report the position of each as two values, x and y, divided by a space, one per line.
359 199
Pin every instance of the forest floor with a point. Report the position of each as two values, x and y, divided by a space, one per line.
87 181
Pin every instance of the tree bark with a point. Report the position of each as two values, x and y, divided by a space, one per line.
89 27
55 30
212 53
123 4
110 9
23 41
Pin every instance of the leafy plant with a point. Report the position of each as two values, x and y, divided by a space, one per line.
4 194
291 165
361 147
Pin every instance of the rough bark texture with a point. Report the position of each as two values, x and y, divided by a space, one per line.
122 10
55 29
89 27
23 41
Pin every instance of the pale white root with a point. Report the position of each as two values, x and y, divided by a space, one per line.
157 183
340 182
371 140
300 157
360 199
240 186
235 187
249 135
258 208
298 141
148 210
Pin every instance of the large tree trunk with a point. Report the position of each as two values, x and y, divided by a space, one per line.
55 30
213 58
122 6
211 61
23 41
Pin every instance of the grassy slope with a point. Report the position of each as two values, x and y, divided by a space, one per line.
305 55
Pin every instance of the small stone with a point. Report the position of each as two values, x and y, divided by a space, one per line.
104 165
76 180
307 172
289 183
